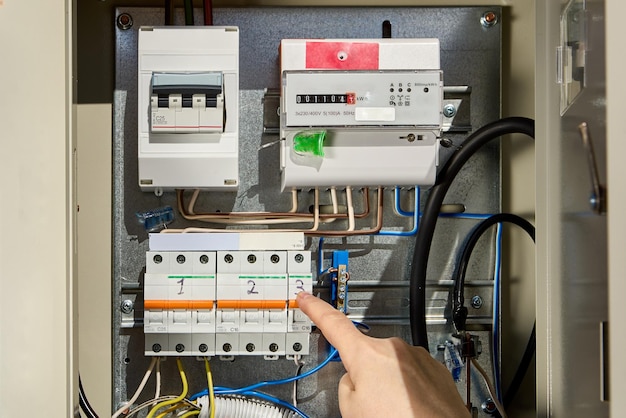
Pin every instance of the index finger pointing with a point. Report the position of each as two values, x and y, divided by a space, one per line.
336 327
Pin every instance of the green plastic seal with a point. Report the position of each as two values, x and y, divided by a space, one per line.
309 143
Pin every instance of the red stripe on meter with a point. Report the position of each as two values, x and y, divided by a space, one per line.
342 55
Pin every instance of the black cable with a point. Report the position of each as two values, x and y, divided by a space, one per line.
188 12
431 212
83 402
459 311
169 12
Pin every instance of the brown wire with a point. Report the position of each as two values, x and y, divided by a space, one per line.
264 215
376 229
208 12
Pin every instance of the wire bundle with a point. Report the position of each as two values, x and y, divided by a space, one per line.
234 406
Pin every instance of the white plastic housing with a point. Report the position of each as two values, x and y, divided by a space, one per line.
197 146
226 302
378 102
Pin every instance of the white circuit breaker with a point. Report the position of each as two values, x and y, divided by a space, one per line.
360 112
235 301
188 108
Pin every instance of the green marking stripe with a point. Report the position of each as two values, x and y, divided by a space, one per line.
300 276
178 276
263 276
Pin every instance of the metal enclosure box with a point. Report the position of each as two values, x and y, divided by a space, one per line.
378 264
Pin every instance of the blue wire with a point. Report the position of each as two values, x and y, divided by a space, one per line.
462 215
465 215
320 257
397 205
331 354
415 214
496 311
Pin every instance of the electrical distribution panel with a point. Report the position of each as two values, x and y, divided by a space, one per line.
360 112
352 112
188 107
239 300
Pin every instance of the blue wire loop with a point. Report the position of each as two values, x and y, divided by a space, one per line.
226 391
398 206
495 335
415 215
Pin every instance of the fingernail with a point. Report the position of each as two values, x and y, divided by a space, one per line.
303 294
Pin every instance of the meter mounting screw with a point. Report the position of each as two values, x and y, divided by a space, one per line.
449 110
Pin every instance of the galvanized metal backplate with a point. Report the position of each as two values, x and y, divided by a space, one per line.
379 265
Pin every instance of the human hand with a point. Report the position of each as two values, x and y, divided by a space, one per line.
385 377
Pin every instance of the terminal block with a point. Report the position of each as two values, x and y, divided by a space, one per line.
226 303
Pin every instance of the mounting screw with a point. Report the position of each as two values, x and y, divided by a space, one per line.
228 258
203 348
297 347
156 348
250 347
227 347
124 21
489 406
158 259
204 259
477 302
127 306
449 110
273 347
489 19
180 348
274 258
251 258
181 259
299 258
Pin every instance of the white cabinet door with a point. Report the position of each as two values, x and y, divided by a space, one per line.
572 238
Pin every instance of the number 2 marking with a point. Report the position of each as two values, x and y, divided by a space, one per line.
251 291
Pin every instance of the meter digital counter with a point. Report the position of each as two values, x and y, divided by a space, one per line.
349 98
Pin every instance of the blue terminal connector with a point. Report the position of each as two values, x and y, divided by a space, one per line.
156 219
453 360
339 284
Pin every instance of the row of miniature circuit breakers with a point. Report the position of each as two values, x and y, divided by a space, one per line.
226 303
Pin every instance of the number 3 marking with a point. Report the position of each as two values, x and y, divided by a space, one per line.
299 286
